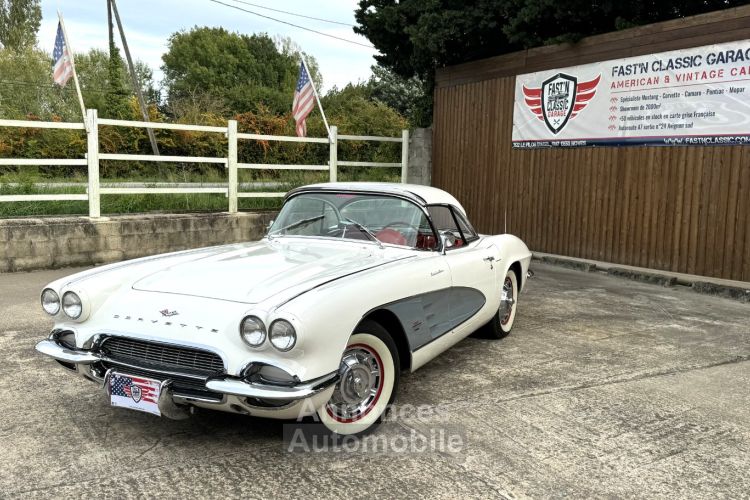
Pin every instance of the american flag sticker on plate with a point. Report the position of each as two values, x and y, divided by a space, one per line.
135 393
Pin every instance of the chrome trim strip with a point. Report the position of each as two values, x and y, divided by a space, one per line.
337 278
187 399
54 350
333 189
200 378
237 387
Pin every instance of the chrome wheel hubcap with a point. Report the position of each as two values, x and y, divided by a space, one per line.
359 386
506 301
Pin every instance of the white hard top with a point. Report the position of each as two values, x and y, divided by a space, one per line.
430 195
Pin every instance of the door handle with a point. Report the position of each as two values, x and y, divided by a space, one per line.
489 259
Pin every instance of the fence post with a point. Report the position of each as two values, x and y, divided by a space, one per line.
92 160
232 165
333 162
404 155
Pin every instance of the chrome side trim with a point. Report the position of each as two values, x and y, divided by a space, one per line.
238 387
337 278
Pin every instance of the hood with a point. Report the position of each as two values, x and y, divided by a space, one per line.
255 272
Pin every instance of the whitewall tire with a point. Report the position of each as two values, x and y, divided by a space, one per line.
369 374
502 322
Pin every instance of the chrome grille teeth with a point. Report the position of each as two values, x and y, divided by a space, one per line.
165 356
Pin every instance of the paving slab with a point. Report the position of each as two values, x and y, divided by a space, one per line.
607 388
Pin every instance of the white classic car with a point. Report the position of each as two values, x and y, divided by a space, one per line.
353 284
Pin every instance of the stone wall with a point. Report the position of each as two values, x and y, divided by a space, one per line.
420 157
45 243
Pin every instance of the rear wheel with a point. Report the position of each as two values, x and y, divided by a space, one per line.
369 375
502 322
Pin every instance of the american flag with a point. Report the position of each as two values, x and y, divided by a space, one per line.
63 68
134 388
304 100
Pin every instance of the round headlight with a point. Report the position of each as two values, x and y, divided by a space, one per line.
50 302
71 305
253 331
283 337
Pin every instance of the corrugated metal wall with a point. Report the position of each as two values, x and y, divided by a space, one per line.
684 209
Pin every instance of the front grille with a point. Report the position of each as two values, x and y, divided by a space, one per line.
162 357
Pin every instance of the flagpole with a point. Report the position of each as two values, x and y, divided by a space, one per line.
73 66
315 92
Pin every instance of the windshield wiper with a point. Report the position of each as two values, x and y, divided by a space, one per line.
364 230
296 224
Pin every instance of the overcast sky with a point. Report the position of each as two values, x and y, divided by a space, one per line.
148 24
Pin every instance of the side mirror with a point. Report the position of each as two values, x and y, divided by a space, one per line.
445 243
268 227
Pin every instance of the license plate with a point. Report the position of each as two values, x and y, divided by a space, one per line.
135 393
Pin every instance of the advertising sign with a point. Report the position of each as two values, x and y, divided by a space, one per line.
698 96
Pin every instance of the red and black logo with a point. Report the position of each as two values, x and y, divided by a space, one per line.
559 99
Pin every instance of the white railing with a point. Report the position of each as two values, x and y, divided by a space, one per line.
93 157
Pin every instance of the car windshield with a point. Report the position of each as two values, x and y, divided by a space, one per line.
378 218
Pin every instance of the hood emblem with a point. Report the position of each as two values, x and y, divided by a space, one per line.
167 313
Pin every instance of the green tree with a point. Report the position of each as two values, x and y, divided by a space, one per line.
531 23
292 49
26 87
19 23
116 105
408 96
416 36
246 72
111 98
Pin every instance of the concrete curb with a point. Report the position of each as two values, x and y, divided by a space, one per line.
735 290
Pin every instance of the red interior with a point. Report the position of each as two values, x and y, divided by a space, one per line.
426 241
391 236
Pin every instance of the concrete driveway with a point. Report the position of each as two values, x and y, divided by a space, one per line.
606 388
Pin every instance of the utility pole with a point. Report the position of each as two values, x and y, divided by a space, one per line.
131 69
110 27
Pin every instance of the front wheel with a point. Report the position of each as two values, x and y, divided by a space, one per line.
369 374
502 322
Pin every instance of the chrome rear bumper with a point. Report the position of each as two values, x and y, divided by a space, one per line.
225 384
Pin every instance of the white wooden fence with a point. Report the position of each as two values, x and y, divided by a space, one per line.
93 157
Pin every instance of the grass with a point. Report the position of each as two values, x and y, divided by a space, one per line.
23 182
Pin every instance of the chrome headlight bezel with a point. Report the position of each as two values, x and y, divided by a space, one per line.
50 293
279 330
259 332
75 301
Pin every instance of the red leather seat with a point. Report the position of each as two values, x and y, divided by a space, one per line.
391 236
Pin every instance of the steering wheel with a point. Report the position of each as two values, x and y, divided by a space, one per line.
389 235
400 223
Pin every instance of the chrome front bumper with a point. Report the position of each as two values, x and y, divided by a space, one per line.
226 384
